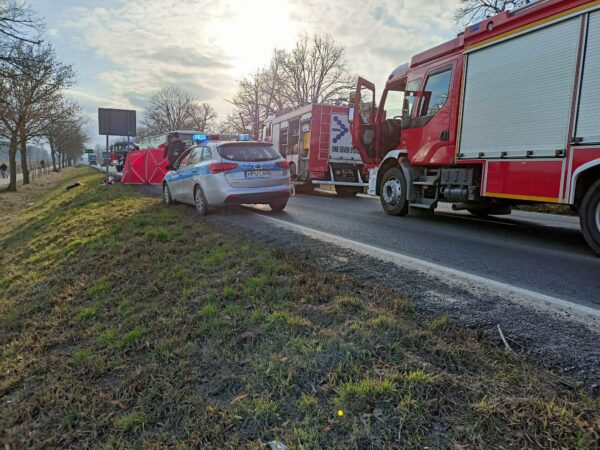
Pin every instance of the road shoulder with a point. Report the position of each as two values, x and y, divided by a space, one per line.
553 340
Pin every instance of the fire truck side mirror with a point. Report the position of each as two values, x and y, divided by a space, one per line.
351 114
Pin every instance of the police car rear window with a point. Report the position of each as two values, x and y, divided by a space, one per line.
250 153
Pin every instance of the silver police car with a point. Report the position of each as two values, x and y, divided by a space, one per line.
232 172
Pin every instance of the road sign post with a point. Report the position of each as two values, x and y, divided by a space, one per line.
106 161
115 122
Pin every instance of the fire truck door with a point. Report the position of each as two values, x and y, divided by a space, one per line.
363 127
428 135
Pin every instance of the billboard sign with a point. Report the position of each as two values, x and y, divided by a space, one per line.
116 122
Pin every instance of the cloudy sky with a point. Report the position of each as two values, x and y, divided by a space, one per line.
125 50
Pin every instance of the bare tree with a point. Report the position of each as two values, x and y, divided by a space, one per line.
29 102
142 133
167 110
69 143
65 134
203 117
472 11
315 70
176 109
272 84
18 25
249 112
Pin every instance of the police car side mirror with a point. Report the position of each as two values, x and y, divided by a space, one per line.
170 167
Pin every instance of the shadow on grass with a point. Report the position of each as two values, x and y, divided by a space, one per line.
126 323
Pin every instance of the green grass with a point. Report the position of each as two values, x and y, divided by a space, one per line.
128 324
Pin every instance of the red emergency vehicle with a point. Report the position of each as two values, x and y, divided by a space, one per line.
506 113
317 142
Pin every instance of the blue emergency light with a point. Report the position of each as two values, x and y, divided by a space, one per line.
200 137
244 137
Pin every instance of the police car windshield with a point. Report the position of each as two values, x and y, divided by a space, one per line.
248 152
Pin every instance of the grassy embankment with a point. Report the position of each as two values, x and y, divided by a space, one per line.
125 323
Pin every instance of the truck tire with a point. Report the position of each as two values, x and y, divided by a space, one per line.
589 216
482 213
393 192
347 191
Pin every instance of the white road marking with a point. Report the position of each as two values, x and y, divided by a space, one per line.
474 283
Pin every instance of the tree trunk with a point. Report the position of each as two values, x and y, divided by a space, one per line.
24 166
53 156
12 164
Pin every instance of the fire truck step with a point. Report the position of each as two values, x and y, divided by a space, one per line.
427 180
424 203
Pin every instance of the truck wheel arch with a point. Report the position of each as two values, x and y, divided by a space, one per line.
583 179
392 159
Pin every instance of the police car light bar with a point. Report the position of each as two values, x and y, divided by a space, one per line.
203 137
199 137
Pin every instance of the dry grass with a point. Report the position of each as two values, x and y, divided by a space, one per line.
13 202
128 324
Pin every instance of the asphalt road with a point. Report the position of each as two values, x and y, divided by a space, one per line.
540 252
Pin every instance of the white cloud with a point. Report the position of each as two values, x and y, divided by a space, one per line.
206 45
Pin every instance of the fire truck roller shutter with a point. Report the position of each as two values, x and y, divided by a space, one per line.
588 122
275 136
518 94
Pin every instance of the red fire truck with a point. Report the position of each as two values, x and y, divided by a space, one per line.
317 141
506 113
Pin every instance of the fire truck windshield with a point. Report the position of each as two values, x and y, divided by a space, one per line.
394 104
400 99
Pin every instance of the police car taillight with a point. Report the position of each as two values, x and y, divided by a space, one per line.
221 167
284 164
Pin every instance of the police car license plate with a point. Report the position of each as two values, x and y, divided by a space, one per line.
258 173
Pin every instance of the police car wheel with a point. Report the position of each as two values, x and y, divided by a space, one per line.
589 215
200 201
167 194
278 206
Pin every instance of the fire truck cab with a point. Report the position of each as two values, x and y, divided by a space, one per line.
506 113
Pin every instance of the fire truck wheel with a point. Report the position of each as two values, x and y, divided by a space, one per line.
393 192
167 194
347 191
480 212
589 215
